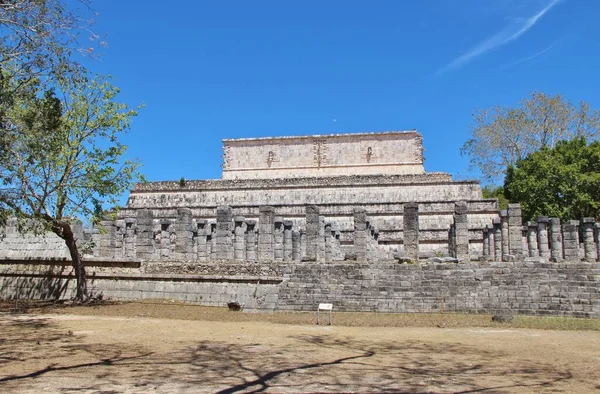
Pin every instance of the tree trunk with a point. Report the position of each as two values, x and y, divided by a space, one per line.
78 267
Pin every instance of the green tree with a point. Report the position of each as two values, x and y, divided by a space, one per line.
501 136
563 181
65 158
496 192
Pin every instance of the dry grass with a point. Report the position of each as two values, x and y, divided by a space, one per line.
169 309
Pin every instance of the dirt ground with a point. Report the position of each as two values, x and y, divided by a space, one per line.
140 348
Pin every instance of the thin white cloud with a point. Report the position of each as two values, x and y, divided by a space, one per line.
530 58
507 35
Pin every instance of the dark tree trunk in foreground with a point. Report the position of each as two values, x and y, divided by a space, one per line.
78 267
64 231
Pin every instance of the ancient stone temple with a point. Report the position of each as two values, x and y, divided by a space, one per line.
381 174
353 220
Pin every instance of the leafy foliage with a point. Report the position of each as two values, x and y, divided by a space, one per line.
498 193
65 158
563 181
501 136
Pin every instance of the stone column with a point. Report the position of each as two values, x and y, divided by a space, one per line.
542 231
183 234
497 224
302 244
251 255
589 247
165 240
335 242
328 249
265 233
571 240
461 229
486 243
278 238
411 231
145 234
515 231
597 232
556 248
224 233
490 229
213 241
129 238
360 234
312 232
504 223
452 241
203 247
287 240
239 240
296 252
321 240
532 237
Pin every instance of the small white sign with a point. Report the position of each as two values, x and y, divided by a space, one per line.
325 307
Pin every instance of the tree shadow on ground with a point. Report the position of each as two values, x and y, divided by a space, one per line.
306 363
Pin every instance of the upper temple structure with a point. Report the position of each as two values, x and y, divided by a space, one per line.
340 174
389 153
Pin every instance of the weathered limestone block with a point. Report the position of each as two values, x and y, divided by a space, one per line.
202 240
515 231
287 240
278 238
556 239
239 241
589 246
411 231
532 236
145 234
497 223
542 230
251 239
360 234
571 240
312 232
461 228
265 233
505 232
183 235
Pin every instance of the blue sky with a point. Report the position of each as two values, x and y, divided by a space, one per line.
208 70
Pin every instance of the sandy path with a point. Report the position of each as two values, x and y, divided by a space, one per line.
69 353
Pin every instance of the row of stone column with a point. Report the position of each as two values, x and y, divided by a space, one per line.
503 238
545 237
230 238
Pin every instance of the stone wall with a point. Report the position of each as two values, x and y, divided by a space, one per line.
571 289
560 289
323 155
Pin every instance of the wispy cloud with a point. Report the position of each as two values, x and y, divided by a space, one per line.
530 58
508 34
